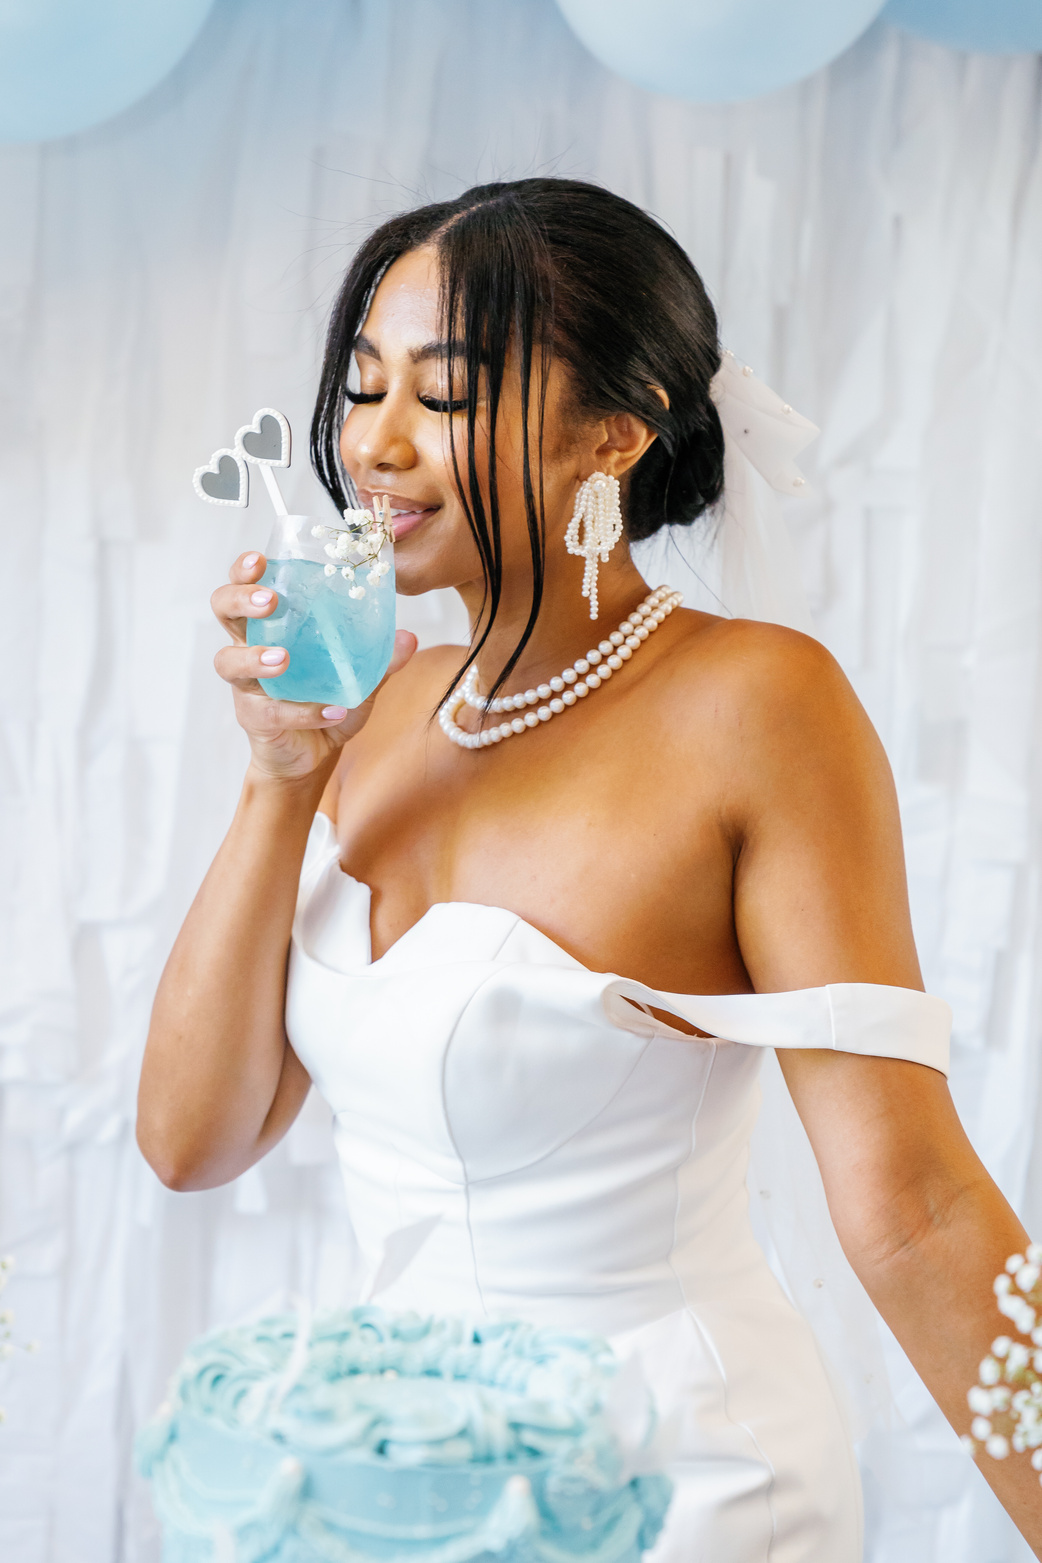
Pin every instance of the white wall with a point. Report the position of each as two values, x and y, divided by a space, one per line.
872 240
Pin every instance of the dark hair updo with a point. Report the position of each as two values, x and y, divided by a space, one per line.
552 267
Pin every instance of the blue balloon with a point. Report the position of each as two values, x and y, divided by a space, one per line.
717 51
69 64
992 26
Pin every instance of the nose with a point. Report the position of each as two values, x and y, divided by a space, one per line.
374 440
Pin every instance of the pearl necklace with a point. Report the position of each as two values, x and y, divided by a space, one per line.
573 684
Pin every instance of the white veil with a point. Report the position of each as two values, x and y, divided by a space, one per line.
741 564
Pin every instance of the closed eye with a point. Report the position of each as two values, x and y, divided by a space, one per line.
435 404
432 403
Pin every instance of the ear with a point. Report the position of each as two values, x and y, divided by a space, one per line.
624 438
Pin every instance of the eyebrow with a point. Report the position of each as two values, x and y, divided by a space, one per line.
419 355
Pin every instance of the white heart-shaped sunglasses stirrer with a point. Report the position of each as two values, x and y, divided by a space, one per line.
266 442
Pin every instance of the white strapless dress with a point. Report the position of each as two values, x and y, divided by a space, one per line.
587 1165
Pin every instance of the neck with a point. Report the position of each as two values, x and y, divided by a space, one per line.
562 632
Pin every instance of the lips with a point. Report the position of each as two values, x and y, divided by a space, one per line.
405 521
406 514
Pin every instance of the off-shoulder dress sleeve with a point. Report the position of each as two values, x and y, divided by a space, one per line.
846 1017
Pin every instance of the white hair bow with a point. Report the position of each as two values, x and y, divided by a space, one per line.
767 431
740 561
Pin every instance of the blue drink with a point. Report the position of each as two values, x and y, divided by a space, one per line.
339 644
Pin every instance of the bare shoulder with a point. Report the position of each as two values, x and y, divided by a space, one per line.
800 784
745 667
767 701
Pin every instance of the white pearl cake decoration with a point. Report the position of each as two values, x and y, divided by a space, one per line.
570 686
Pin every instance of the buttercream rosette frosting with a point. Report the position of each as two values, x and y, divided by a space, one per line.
365 1436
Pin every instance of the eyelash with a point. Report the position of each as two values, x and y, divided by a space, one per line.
432 403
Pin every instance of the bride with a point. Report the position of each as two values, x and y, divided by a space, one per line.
541 942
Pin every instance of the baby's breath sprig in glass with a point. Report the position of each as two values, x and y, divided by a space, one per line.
1007 1402
8 1344
357 544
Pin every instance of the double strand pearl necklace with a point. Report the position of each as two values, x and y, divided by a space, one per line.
575 683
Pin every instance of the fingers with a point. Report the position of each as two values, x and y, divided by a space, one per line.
244 666
265 718
241 664
247 568
405 644
233 605
268 719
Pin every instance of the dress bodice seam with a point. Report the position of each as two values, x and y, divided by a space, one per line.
691 1147
558 1145
450 1133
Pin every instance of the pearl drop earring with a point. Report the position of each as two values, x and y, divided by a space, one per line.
599 512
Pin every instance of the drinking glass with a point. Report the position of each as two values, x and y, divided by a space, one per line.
336 610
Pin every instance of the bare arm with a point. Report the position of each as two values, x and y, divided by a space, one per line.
820 898
924 1227
220 1083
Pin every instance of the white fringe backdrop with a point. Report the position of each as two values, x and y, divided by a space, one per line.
872 240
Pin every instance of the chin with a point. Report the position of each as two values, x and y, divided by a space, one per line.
414 588
429 570
414 582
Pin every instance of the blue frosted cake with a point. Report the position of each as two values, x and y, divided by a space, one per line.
372 1437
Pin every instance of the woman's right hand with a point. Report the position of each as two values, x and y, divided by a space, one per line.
289 739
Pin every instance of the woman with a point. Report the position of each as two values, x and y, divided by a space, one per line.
714 818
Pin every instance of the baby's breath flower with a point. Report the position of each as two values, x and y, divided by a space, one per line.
1027 1276
1007 1401
1017 1359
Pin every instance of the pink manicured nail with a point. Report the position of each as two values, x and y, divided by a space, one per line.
249 561
276 654
261 599
334 713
